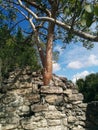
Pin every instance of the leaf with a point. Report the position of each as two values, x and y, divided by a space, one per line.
66 11
89 19
96 9
83 22
88 8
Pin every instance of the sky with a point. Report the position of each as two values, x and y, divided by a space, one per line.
76 61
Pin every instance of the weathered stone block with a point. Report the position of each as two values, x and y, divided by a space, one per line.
75 91
68 92
69 106
33 98
35 88
42 128
64 121
57 128
28 124
54 115
53 122
39 107
42 123
23 91
9 127
82 123
54 99
76 102
71 119
52 108
51 90
51 98
76 97
24 109
83 105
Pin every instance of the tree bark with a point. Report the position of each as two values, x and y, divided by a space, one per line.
47 72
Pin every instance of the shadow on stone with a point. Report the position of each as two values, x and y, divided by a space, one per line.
92 116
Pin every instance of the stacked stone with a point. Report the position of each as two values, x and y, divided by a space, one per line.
25 104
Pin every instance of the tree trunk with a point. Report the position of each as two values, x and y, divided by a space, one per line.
47 72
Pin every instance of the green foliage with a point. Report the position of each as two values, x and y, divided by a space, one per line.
89 87
14 52
89 8
96 9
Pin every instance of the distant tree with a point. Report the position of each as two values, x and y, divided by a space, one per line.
89 87
68 20
16 51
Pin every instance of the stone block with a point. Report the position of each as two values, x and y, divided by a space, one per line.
75 91
64 121
71 119
23 91
57 128
33 98
29 125
51 90
42 123
76 97
68 92
54 115
76 102
24 109
54 99
83 105
52 108
51 98
35 88
9 127
39 107
53 122
42 128
82 123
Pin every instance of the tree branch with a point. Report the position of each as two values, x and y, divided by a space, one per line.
37 41
61 24
34 4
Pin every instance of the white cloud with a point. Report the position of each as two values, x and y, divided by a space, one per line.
80 75
56 67
75 65
92 60
75 52
76 57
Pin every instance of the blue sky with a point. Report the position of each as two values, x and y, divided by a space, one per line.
76 61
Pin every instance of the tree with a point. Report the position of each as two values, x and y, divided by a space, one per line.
16 52
54 19
89 87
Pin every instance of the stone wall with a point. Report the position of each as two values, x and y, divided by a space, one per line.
25 104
